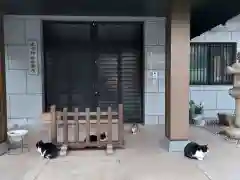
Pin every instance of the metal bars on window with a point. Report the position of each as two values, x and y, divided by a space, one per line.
208 62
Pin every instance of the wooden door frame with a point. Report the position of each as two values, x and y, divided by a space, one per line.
3 101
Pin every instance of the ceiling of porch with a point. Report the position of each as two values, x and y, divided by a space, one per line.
205 14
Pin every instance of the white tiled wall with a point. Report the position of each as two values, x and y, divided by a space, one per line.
216 98
154 62
24 92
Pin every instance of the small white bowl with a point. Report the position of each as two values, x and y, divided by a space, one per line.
17 135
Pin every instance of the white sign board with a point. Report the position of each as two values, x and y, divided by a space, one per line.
33 58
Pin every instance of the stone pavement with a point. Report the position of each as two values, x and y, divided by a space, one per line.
134 166
141 163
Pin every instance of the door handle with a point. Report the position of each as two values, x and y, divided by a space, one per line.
96 93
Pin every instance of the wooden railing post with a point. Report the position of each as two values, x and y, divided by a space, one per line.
53 125
109 125
65 126
98 124
120 124
109 143
77 125
87 125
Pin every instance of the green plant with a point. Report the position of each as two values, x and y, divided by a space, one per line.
195 109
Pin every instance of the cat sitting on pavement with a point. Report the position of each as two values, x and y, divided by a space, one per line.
135 128
195 151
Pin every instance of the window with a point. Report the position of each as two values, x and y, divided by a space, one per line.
208 62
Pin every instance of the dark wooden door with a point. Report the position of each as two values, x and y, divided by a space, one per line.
70 79
69 66
119 65
101 67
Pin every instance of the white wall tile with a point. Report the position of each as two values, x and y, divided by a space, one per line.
161 119
154 103
210 113
209 98
14 30
161 84
17 65
34 84
224 100
17 57
33 29
151 85
17 52
22 122
16 81
218 36
155 57
151 120
155 32
236 36
25 106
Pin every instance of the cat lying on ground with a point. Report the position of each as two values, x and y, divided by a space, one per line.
195 151
93 137
47 150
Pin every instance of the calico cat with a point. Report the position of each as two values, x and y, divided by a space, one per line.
195 151
47 150
134 129
93 137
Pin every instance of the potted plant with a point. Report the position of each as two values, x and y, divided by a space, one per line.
196 112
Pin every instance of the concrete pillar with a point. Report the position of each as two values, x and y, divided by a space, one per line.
177 74
3 106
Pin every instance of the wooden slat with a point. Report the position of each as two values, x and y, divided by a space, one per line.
53 125
77 125
87 125
98 124
81 145
83 114
47 116
109 125
120 124
92 121
65 127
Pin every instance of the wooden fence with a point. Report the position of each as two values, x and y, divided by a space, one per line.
62 119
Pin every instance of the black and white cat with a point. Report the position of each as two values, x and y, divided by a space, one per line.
47 150
93 137
195 151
